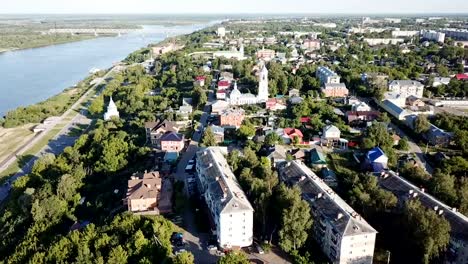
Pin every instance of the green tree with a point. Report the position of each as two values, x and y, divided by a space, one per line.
296 140
114 153
97 106
443 186
183 258
429 232
295 221
403 144
246 130
199 97
117 256
209 139
48 209
234 257
421 124
272 139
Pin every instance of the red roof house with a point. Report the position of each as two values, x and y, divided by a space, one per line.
461 76
274 104
293 132
222 85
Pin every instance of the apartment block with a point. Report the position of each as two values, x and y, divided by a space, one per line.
457 251
344 236
325 75
407 88
232 213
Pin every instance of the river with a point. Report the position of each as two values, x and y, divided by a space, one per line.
33 75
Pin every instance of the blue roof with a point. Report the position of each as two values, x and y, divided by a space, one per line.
374 154
170 156
395 108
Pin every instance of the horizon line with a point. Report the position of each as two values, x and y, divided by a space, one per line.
420 13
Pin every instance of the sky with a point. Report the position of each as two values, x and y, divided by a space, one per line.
231 6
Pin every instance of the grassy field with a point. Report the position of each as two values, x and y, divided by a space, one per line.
15 166
13 138
17 41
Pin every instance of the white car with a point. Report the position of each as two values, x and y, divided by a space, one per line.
211 247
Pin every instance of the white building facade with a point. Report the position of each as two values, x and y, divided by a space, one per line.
111 110
406 88
343 235
433 35
231 211
238 98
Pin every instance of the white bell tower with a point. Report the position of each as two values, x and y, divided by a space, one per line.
263 85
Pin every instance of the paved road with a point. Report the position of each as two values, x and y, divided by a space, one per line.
59 142
196 241
414 148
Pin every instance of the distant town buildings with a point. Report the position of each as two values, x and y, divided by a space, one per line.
266 54
457 34
231 211
404 33
342 234
111 110
433 36
383 41
221 32
311 44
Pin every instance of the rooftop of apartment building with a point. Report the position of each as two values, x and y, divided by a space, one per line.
222 184
406 83
327 71
233 111
322 198
403 189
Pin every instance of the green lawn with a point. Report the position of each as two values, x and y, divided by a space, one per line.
15 166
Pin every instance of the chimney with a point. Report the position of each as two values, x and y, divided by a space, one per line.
148 185
339 216
436 208
302 178
423 190
319 195
441 212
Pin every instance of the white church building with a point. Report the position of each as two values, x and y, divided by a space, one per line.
111 110
238 98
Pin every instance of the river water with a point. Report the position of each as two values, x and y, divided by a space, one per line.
33 75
